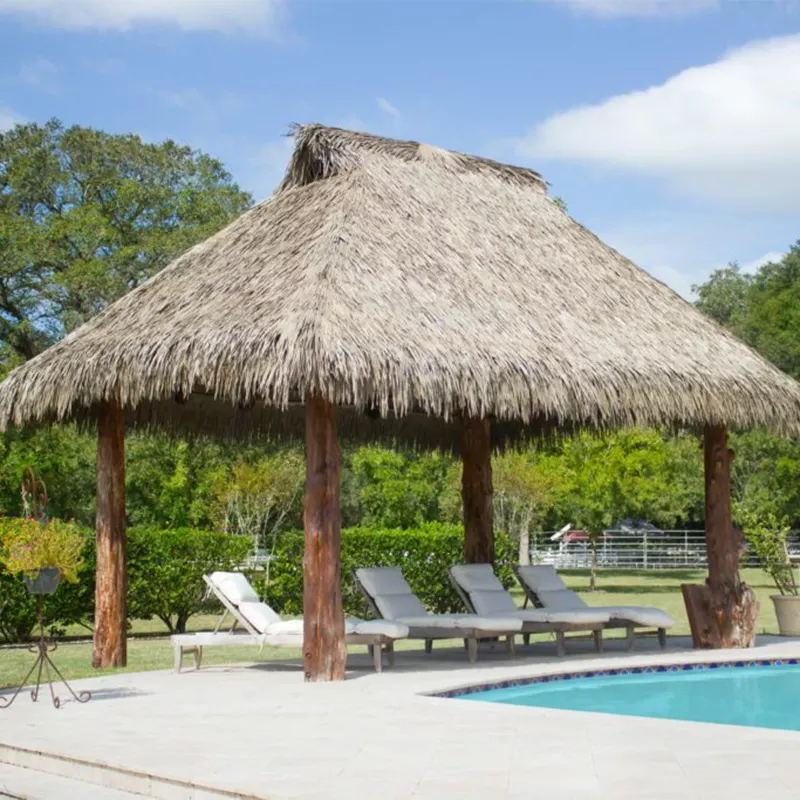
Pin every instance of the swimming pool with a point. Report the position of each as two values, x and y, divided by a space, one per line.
758 693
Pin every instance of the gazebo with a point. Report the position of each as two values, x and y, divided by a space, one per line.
394 289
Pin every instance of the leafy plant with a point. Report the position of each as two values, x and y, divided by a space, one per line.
766 535
30 546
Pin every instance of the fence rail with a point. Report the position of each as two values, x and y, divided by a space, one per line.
624 550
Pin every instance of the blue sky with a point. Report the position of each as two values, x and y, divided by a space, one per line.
670 127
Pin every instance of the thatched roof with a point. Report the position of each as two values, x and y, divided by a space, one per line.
394 277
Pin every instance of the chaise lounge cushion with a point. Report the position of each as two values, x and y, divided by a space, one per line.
560 599
395 601
488 596
234 586
352 625
259 615
464 622
555 596
541 578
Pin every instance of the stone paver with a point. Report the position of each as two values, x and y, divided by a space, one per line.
260 731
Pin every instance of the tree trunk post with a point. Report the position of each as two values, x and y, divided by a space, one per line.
722 613
476 490
111 587
324 650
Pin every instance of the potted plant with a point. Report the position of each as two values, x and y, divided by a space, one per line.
766 535
44 553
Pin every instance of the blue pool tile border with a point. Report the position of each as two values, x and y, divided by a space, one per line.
602 673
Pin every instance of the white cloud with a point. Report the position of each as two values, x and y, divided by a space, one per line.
39 72
729 130
385 106
9 118
220 15
768 258
638 8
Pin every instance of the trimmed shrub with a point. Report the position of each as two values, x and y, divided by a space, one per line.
424 554
165 580
166 568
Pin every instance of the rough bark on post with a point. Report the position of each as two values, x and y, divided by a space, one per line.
722 613
476 490
324 650
110 616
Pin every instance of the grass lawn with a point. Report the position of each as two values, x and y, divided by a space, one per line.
615 587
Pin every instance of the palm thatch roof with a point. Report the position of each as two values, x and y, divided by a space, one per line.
403 281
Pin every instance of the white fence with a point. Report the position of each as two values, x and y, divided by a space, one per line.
626 550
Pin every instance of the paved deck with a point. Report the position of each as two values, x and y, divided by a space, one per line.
259 731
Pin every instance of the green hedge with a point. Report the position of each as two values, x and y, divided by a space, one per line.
424 554
165 580
165 569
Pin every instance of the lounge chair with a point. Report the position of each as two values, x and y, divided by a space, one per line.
262 625
390 597
545 589
482 593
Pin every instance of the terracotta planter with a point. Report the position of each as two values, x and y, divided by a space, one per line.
787 610
45 582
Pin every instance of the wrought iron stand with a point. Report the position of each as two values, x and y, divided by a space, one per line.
43 663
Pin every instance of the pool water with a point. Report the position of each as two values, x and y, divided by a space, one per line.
764 696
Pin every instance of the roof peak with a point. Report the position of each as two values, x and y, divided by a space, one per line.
322 151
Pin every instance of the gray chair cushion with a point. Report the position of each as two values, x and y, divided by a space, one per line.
488 603
476 577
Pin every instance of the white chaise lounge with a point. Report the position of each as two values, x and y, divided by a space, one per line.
262 625
544 587
390 597
482 593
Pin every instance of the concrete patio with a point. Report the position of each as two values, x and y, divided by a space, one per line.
258 731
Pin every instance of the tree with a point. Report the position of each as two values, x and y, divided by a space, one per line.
771 323
85 216
724 295
397 489
523 493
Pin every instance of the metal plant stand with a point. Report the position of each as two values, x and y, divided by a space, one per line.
43 663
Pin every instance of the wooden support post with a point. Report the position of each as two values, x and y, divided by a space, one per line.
476 490
111 584
324 650
722 613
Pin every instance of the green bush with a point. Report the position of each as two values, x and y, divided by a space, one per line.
166 568
165 580
73 603
424 554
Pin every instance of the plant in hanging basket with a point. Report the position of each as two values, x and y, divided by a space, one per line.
43 553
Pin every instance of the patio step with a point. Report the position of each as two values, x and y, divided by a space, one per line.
22 770
30 784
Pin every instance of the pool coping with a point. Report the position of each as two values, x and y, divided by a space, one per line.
597 672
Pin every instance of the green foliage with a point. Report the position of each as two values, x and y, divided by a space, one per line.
766 535
71 604
27 545
63 458
763 309
424 554
596 480
397 489
85 216
259 498
165 579
724 295
166 568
